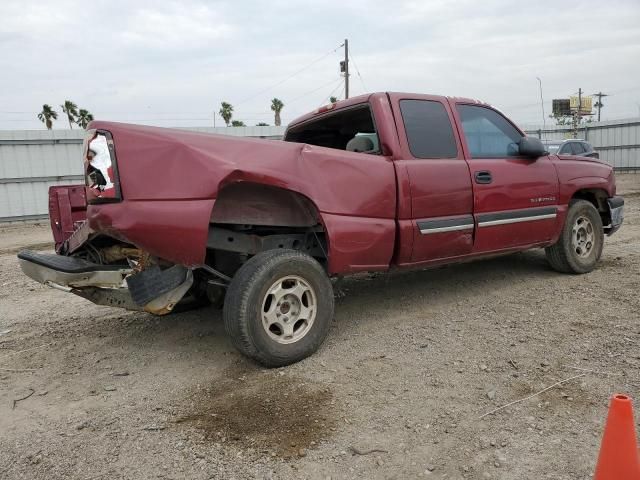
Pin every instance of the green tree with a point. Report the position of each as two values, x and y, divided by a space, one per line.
71 109
238 123
226 112
568 119
277 106
262 124
333 99
47 116
84 117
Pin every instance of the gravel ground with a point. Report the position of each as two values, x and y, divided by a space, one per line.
413 361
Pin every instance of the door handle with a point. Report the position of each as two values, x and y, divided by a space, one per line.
483 176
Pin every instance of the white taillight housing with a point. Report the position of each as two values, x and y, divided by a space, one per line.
100 167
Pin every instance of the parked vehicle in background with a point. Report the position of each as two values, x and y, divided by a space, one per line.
572 146
373 183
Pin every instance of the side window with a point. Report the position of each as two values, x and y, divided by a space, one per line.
488 134
566 149
428 129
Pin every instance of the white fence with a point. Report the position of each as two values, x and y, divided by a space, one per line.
33 160
617 141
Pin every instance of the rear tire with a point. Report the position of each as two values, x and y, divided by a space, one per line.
279 307
580 244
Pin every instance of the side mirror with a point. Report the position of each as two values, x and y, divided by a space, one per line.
531 147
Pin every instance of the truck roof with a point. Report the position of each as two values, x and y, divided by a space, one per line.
365 97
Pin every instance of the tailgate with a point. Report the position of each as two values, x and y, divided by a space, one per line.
67 210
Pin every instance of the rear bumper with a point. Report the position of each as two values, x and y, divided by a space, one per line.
616 213
70 272
153 290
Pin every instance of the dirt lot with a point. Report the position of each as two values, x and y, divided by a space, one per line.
411 364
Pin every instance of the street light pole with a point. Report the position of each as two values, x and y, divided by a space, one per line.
544 123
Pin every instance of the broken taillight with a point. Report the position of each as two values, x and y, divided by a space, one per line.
101 174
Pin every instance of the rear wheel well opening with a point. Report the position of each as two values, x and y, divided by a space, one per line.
246 203
250 218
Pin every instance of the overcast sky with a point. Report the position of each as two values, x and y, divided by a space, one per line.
171 63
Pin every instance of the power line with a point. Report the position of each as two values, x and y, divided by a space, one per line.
341 84
289 77
357 71
289 102
332 82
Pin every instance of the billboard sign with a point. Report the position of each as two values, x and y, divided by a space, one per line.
561 107
586 105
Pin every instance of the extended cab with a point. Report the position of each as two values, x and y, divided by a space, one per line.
377 182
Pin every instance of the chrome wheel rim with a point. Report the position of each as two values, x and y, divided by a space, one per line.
289 309
582 238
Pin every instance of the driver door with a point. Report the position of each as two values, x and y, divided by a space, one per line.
515 198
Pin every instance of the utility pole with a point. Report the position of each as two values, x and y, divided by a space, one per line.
346 68
577 116
579 105
599 104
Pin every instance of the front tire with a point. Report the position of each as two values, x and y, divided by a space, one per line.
278 307
580 244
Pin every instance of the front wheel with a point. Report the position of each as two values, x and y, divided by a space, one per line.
580 244
278 307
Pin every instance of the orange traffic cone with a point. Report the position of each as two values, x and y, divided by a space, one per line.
619 459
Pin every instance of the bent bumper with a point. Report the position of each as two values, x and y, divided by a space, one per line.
616 213
70 272
155 291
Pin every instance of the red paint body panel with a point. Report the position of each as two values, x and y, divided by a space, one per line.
370 205
515 183
170 170
175 230
577 173
359 244
437 187
67 207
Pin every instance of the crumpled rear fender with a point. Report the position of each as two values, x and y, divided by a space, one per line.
175 230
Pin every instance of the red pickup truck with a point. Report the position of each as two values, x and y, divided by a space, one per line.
377 182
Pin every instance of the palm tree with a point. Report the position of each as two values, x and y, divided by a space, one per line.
333 99
71 109
277 106
226 112
47 115
84 117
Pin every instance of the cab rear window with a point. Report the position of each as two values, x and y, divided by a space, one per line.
350 128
